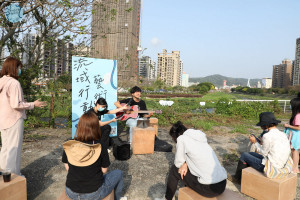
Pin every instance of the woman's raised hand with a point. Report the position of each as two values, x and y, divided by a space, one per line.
40 104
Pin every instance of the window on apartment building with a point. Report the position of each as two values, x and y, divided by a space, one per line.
127 1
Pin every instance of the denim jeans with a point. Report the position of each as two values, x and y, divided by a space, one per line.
254 160
131 122
112 180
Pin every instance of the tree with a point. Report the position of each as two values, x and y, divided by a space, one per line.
159 84
208 84
53 22
202 87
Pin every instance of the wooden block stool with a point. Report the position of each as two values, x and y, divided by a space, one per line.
63 196
187 193
143 140
13 190
256 185
154 124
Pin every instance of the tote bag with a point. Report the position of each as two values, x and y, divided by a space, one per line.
273 172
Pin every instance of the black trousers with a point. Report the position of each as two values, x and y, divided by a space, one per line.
191 181
105 131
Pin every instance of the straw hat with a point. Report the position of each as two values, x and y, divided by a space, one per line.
81 154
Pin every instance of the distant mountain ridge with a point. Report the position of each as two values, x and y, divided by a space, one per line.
218 79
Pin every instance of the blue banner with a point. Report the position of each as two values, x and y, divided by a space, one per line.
93 78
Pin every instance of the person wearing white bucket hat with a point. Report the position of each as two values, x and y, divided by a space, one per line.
86 160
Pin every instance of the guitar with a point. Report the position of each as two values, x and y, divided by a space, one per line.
133 112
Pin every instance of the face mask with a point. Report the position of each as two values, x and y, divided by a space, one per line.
19 73
101 109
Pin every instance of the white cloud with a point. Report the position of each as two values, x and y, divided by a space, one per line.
155 41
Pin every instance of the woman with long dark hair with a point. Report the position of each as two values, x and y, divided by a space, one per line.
86 160
12 115
196 164
294 139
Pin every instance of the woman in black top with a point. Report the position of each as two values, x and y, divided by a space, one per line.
100 109
87 176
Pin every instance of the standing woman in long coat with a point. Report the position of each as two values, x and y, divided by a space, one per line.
12 115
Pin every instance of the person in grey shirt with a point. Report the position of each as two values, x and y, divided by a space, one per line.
196 164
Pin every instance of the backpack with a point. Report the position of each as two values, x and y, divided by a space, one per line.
163 146
121 149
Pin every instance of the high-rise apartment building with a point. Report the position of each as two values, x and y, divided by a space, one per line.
55 55
296 65
115 35
81 51
266 83
57 58
169 67
282 74
180 73
147 68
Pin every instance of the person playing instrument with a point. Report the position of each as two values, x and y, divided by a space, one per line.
135 100
100 109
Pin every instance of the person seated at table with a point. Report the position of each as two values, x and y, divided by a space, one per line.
87 161
275 147
100 109
196 164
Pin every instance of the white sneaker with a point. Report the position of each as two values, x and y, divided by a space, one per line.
176 193
123 198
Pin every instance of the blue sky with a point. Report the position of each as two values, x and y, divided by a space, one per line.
235 38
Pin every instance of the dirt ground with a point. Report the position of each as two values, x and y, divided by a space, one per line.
144 175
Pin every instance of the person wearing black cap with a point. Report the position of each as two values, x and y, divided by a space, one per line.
275 147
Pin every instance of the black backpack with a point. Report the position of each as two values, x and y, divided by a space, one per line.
161 145
121 149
